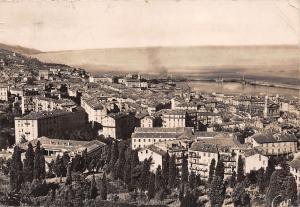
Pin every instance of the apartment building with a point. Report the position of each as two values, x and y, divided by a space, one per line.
52 124
174 118
118 125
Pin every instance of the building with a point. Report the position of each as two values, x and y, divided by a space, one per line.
174 118
96 110
52 124
223 147
43 74
118 125
55 147
148 122
153 152
200 157
274 144
39 103
3 93
143 137
254 160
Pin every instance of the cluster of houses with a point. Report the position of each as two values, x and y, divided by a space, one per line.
156 115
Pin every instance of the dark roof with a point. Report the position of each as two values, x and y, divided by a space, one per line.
156 150
273 138
44 114
199 146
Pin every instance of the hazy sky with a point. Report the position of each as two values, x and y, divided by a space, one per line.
65 25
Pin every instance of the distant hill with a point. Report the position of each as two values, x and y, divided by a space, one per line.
19 49
259 60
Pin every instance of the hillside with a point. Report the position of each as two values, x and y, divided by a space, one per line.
19 49
259 60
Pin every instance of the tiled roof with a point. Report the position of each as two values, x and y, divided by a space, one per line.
199 146
41 115
269 138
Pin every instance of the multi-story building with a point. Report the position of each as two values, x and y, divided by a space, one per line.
52 124
3 93
274 144
174 118
118 125
143 137
157 151
96 110
224 148
39 103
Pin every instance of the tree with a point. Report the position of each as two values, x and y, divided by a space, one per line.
274 189
192 180
145 174
127 168
29 163
165 168
121 163
93 189
189 200
184 170
291 190
103 192
151 186
260 180
240 170
211 170
217 192
134 164
172 172
16 167
269 171
114 156
220 169
233 179
158 179
39 170
240 197
69 175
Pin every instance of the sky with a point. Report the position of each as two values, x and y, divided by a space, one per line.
87 24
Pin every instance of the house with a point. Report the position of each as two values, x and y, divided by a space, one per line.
153 152
254 160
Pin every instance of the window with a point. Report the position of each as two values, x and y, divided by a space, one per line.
146 151
139 140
